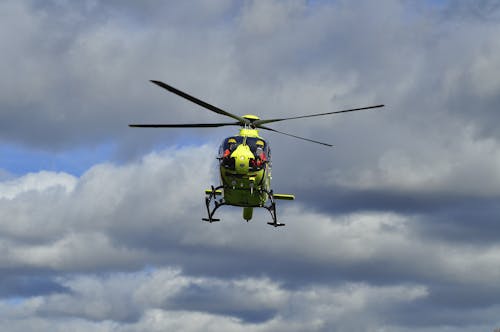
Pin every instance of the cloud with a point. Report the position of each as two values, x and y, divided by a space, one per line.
104 258
80 78
39 182
76 215
394 229
449 169
88 69
133 299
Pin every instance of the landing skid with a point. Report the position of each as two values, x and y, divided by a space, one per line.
212 197
217 204
272 210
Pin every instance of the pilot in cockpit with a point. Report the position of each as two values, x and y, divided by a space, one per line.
259 154
230 148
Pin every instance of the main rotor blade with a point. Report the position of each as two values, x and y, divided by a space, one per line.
198 101
185 125
259 122
302 138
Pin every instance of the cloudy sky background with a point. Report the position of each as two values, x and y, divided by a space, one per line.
395 229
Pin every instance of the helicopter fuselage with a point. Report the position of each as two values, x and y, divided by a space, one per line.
245 176
245 170
248 189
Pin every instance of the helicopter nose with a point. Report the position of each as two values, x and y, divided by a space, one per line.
241 164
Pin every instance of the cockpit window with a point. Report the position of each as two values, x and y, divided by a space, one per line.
258 147
260 150
229 145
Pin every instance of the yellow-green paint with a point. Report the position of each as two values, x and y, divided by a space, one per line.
242 156
246 186
218 192
246 132
243 186
247 213
251 117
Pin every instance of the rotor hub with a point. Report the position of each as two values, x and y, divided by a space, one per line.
250 117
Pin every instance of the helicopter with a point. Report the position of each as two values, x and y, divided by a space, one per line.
244 159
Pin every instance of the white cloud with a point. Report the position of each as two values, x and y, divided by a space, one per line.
466 165
56 216
40 182
266 17
77 75
150 300
149 211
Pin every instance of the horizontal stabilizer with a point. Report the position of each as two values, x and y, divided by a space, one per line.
284 196
217 192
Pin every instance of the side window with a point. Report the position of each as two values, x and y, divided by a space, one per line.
221 150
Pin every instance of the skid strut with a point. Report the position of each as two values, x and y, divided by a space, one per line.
217 204
272 210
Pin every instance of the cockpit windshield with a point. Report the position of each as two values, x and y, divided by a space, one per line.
229 145
257 145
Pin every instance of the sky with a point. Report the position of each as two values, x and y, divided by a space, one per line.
394 229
